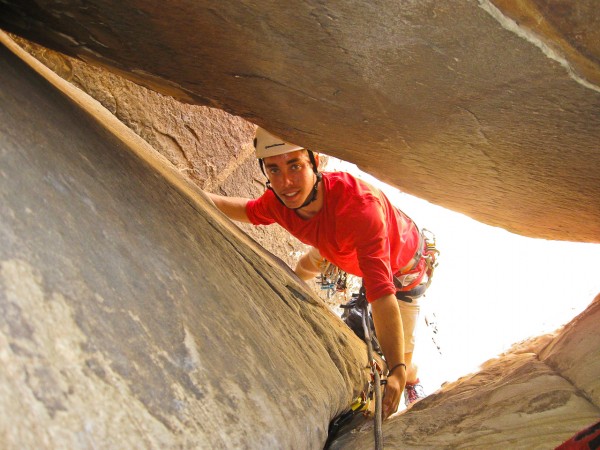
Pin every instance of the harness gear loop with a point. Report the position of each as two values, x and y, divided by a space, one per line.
412 282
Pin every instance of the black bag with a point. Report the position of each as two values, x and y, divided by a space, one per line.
353 314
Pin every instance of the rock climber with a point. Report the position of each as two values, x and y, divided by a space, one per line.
353 225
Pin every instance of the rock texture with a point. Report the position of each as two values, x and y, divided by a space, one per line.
211 148
534 397
132 314
490 108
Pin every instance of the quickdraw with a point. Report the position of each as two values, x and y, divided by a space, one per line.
360 404
430 253
332 279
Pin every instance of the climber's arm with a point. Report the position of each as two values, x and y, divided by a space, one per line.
232 207
388 326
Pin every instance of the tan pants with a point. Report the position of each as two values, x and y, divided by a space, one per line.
410 314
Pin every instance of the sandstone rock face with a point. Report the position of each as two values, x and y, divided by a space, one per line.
568 29
211 148
489 108
533 398
132 314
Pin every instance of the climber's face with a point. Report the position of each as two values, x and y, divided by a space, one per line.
291 176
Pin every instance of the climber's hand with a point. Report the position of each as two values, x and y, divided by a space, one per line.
393 392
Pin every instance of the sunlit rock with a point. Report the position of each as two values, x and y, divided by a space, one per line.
133 314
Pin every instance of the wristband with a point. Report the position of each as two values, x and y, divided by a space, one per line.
395 367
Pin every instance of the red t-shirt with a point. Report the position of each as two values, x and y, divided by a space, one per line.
358 230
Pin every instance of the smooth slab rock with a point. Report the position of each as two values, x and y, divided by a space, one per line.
132 314
568 29
490 108
211 148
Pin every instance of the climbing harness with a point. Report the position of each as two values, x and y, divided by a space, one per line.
413 280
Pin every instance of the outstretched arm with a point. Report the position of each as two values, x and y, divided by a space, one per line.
232 207
388 326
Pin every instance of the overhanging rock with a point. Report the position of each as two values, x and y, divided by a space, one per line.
484 107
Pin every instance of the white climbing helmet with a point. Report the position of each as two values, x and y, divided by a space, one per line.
267 144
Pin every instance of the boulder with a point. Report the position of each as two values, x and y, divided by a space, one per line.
134 314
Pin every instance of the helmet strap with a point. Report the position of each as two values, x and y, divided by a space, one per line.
313 161
313 193
262 169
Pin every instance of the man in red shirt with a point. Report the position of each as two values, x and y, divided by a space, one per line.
353 226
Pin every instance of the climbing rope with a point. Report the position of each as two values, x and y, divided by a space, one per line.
363 402
375 380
